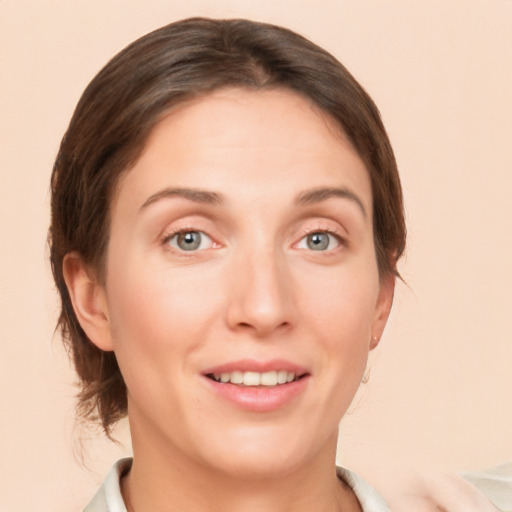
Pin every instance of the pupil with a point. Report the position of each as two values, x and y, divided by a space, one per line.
189 241
318 241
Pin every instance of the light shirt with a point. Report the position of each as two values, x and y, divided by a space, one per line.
109 498
495 484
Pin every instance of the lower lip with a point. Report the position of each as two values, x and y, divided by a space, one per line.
259 399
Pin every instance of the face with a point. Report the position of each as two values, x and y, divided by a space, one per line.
242 291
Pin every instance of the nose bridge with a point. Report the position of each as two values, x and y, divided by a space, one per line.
261 295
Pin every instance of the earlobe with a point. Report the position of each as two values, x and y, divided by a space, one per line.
88 300
383 309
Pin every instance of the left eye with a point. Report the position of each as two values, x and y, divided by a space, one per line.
319 241
190 241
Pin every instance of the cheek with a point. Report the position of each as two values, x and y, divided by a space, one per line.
154 310
342 301
341 312
157 324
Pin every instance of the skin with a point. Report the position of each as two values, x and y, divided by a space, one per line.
253 289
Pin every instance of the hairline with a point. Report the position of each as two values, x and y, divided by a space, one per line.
99 267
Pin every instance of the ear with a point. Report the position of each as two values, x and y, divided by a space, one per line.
89 301
383 308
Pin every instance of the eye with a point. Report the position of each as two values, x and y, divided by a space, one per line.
319 241
190 241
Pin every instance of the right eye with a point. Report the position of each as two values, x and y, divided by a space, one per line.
190 241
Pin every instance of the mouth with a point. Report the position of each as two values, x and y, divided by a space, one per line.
258 386
256 379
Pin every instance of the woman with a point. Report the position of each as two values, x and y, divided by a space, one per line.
226 223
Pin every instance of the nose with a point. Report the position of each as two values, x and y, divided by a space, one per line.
261 293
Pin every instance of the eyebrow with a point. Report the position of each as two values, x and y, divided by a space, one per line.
318 195
192 194
307 197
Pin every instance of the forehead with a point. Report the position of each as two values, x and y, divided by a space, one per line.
238 140
213 115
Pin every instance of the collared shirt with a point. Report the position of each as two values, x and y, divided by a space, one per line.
495 483
109 498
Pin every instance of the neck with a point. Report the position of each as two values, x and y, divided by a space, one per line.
163 479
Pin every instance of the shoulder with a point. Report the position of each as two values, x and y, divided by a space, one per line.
369 498
109 498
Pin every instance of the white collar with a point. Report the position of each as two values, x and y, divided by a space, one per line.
109 498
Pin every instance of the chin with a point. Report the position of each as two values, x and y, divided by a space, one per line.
258 466
264 453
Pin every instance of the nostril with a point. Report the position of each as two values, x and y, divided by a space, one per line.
262 328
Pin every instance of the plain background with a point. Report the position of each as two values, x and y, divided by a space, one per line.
440 388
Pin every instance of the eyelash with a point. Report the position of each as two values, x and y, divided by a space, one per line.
169 236
328 230
342 241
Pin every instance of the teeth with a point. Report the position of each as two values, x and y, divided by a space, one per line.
281 377
236 378
252 379
256 378
269 379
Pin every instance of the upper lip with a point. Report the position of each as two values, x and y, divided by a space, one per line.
251 365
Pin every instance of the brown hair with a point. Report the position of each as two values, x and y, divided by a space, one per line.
125 101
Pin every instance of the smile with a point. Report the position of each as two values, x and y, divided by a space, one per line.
268 379
258 386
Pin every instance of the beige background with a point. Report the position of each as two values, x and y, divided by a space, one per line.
440 388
